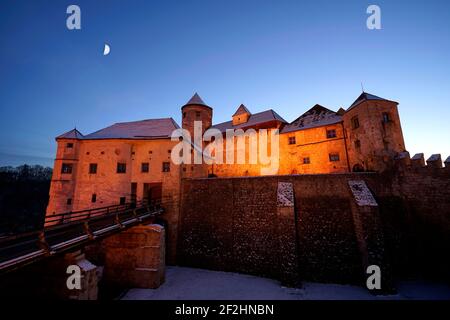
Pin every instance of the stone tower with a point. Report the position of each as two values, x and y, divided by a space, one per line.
195 113
64 172
374 133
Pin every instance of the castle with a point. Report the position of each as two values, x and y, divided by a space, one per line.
131 161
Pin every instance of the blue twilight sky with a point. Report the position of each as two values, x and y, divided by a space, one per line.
285 55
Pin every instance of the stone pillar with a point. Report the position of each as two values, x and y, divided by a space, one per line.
135 258
90 276
287 235
47 279
369 234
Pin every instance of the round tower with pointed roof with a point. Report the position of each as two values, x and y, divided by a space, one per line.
196 110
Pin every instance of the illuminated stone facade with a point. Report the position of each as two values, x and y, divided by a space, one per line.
132 161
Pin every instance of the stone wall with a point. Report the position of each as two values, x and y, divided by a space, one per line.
419 200
380 139
313 144
135 258
234 224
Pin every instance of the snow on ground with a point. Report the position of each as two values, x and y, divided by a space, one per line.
198 284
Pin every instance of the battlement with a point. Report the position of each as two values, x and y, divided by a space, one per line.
403 161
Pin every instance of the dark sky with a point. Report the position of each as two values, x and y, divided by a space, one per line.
285 55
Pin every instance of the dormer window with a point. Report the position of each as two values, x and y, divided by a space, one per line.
242 115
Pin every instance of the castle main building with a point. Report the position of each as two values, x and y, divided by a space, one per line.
131 161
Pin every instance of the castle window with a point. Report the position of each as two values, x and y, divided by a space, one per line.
357 145
166 167
145 167
92 168
94 198
197 114
122 200
291 140
69 145
334 157
386 117
66 168
121 167
69 201
355 123
306 160
331 133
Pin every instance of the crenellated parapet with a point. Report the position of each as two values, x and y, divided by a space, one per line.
404 162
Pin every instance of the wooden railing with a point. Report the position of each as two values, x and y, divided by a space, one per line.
70 229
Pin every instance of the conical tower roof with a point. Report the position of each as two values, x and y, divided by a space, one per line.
196 100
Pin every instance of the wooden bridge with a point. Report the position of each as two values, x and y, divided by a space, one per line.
69 230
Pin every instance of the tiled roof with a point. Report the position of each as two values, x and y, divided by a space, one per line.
196 100
145 129
241 110
254 119
317 116
72 134
365 97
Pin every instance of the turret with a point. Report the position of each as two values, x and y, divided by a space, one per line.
194 113
196 110
64 172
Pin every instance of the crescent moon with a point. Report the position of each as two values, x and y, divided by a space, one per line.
106 50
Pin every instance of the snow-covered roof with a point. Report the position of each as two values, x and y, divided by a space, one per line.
144 129
317 116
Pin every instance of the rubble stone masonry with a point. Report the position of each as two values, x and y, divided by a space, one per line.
234 224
